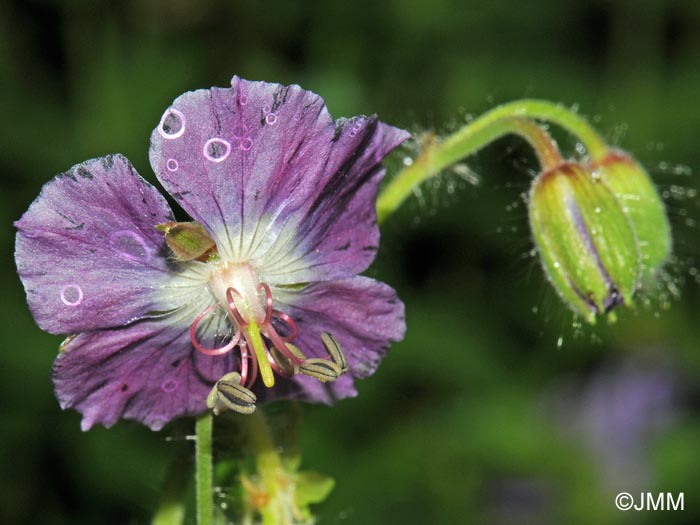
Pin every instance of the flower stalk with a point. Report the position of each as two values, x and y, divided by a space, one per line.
203 475
511 118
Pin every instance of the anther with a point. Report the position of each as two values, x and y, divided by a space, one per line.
282 364
321 369
334 350
229 394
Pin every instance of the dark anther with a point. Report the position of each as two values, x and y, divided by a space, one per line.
321 369
335 351
229 394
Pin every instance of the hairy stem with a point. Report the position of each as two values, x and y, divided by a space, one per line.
203 475
502 120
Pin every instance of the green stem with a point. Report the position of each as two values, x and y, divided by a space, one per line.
545 148
171 509
502 120
203 476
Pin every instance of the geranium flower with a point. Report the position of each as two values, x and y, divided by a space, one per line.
284 202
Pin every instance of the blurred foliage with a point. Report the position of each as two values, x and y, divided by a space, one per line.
480 415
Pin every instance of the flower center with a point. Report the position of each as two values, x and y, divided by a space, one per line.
262 335
243 279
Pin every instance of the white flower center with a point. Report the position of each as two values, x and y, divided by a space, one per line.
243 278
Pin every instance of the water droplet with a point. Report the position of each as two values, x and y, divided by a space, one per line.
246 144
270 119
243 100
171 165
407 161
169 386
216 149
172 124
560 342
71 295
266 109
130 245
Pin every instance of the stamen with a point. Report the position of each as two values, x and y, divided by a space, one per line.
268 302
228 394
291 325
280 363
254 369
211 351
295 350
281 344
244 361
234 310
321 369
334 350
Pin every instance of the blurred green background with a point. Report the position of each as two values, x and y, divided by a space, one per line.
497 408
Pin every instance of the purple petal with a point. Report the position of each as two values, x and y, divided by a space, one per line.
338 236
87 250
274 179
364 315
147 371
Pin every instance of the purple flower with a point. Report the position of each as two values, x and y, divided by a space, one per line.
287 195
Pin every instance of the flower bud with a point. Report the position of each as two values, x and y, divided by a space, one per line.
642 204
586 242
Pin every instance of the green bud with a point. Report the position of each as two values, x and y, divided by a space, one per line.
586 243
187 240
643 206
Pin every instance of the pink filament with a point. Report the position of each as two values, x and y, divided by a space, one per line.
234 310
249 363
211 351
268 302
244 362
291 325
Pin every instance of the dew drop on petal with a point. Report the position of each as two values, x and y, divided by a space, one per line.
169 385
130 245
216 149
246 144
243 100
172 165
266 109
71 295
172 124
271 118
